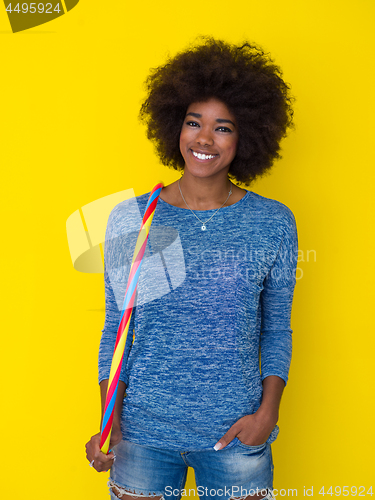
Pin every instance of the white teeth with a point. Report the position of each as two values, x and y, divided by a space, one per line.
202 156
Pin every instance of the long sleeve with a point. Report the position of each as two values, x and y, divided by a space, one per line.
109 333
276 305
116 269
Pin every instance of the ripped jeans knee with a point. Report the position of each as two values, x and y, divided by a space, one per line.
118 491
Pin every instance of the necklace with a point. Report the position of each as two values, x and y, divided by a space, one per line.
208 220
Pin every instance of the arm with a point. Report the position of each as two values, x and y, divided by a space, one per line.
116 434
255 429
104 462
268 412
275 343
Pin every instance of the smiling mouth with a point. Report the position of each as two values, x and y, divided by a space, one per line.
202 156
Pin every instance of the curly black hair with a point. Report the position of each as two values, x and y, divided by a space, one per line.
244 78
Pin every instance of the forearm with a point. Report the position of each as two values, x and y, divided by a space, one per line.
273 387
254 429
119 400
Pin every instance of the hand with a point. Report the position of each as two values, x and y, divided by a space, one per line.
102 462
252 430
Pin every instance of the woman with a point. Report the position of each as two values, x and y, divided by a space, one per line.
224 262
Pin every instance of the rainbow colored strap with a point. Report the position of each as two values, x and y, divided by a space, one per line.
126 313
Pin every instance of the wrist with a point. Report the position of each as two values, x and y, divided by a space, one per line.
116 424
268 413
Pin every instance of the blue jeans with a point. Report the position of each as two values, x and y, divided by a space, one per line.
236 471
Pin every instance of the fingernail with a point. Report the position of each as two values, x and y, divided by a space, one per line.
218 446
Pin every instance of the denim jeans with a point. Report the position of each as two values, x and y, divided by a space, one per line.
236 471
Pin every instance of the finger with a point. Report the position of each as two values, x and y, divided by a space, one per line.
102 457
93 448
226 439
100 466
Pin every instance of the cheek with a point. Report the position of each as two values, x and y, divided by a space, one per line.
232 147
183 140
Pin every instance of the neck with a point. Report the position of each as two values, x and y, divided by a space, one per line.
204 194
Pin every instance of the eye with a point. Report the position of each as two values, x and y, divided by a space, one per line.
224 129
192 124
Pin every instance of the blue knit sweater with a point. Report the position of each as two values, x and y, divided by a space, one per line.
212 317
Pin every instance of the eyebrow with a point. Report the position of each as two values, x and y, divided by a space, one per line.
219 120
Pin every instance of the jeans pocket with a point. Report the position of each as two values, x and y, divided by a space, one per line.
231 444
250 447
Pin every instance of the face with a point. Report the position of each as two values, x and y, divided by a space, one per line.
208 139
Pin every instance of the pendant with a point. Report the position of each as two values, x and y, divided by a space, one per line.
203 227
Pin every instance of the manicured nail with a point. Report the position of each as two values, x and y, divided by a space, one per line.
218 446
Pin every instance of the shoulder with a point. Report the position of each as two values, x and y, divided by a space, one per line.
127 213
270 210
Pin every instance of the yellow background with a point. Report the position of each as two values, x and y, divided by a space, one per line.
70 94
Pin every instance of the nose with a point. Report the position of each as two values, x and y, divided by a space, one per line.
204 137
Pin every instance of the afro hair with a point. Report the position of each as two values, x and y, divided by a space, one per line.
244 78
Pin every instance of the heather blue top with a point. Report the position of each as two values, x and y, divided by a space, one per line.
209 304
